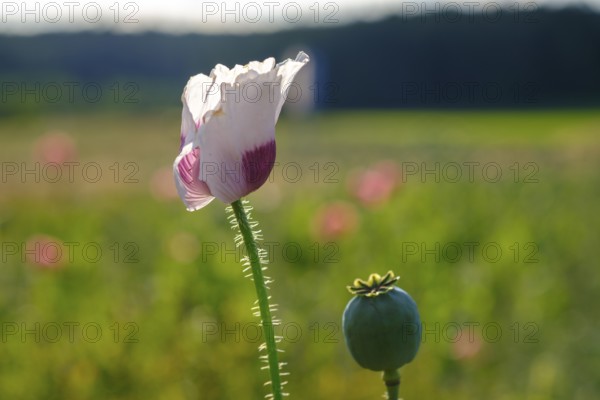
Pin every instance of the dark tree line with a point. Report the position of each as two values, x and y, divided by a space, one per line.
548 58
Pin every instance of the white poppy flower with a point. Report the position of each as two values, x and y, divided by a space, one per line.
228 130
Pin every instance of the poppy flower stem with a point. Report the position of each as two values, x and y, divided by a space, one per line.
263 297
391 378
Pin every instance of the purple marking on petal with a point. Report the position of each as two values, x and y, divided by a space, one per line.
189 166
257 165
181 140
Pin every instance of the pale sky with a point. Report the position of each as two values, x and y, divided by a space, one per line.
234 16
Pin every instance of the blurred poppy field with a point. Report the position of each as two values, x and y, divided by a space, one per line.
111 290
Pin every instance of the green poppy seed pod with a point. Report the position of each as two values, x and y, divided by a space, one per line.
381 324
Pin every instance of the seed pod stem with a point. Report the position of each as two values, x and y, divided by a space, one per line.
391 378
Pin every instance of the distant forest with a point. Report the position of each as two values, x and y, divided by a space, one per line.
550 58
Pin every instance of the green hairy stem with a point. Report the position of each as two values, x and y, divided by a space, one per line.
264 307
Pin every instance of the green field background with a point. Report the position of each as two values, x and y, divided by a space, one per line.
165 311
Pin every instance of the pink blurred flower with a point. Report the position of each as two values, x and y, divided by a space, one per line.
161 184
335 220
44 251
55 147
467 345
375 185
228 130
